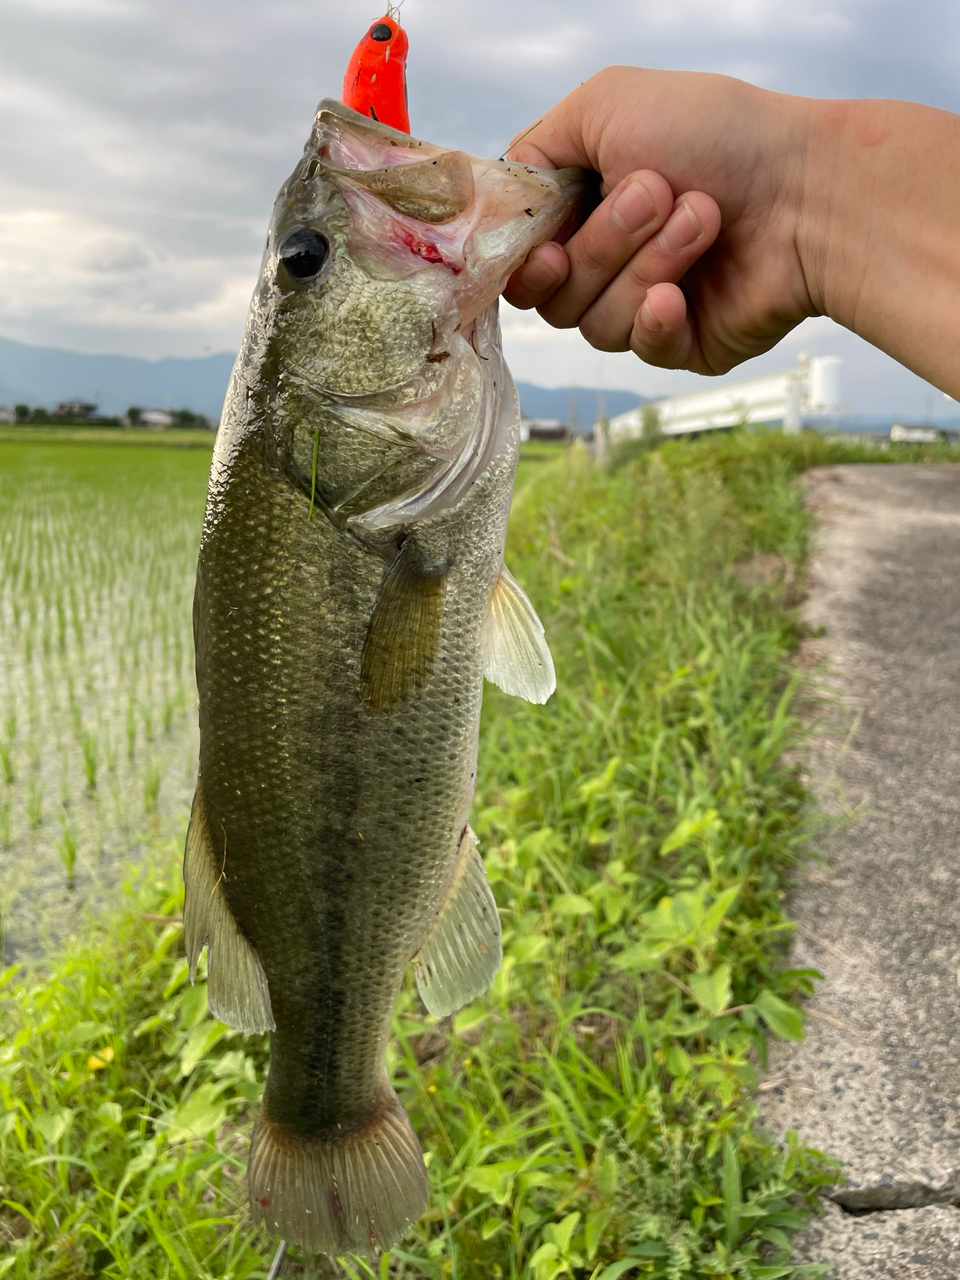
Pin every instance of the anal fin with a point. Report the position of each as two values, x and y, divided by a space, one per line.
236 983
518 657
463 951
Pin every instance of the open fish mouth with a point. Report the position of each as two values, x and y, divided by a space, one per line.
419 204
448 227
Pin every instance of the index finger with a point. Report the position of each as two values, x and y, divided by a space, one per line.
558 138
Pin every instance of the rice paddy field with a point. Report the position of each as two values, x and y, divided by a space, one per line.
591 1117
97 694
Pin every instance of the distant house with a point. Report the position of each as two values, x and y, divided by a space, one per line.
914 433
543 429
75 409
154 418
7 415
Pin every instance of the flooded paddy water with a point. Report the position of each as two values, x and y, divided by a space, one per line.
98 719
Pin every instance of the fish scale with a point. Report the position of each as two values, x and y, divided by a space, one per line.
351 598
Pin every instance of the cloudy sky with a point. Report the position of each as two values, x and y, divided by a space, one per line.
142 143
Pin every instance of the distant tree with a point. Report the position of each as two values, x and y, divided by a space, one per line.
133 415
22 412
650 417
39 415
187 418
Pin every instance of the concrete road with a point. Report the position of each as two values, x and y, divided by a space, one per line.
876 1084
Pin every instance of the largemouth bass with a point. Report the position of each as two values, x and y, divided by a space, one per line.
351 597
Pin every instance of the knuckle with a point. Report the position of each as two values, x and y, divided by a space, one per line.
557 315
662 352
639 274
603 78
602 335
653 356
591 258
609 77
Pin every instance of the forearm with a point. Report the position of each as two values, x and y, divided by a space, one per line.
879 228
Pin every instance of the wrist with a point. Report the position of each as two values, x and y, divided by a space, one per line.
876 235
838 204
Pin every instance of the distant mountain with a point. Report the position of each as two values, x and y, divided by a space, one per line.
45 376
576 406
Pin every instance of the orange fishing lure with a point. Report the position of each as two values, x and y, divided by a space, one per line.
376 79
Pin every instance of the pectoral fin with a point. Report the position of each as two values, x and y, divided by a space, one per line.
463 951
404 633
518 657
237 985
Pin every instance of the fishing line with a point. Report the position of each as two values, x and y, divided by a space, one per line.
517 141
277 1266
313 494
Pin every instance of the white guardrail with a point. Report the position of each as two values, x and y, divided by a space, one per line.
812 388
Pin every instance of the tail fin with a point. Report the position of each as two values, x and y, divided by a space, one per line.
352 1194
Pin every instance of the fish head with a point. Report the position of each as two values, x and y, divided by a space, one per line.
373 341
383 247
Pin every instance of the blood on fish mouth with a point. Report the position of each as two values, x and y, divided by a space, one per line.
427 251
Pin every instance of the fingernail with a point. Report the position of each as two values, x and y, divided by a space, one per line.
680 230
539 272
632 208
648 319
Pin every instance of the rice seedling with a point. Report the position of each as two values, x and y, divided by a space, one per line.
67 849
35 802
170 709
152 779
91 759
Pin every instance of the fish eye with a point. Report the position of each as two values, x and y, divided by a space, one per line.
303 253
381 32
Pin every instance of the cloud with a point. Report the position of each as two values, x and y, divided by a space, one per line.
147 138
50 260
739 18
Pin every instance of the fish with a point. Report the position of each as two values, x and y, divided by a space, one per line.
376 79
351 598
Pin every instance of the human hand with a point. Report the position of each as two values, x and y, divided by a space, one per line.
700 282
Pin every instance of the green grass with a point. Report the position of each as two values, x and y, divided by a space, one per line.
181 437
593 1116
